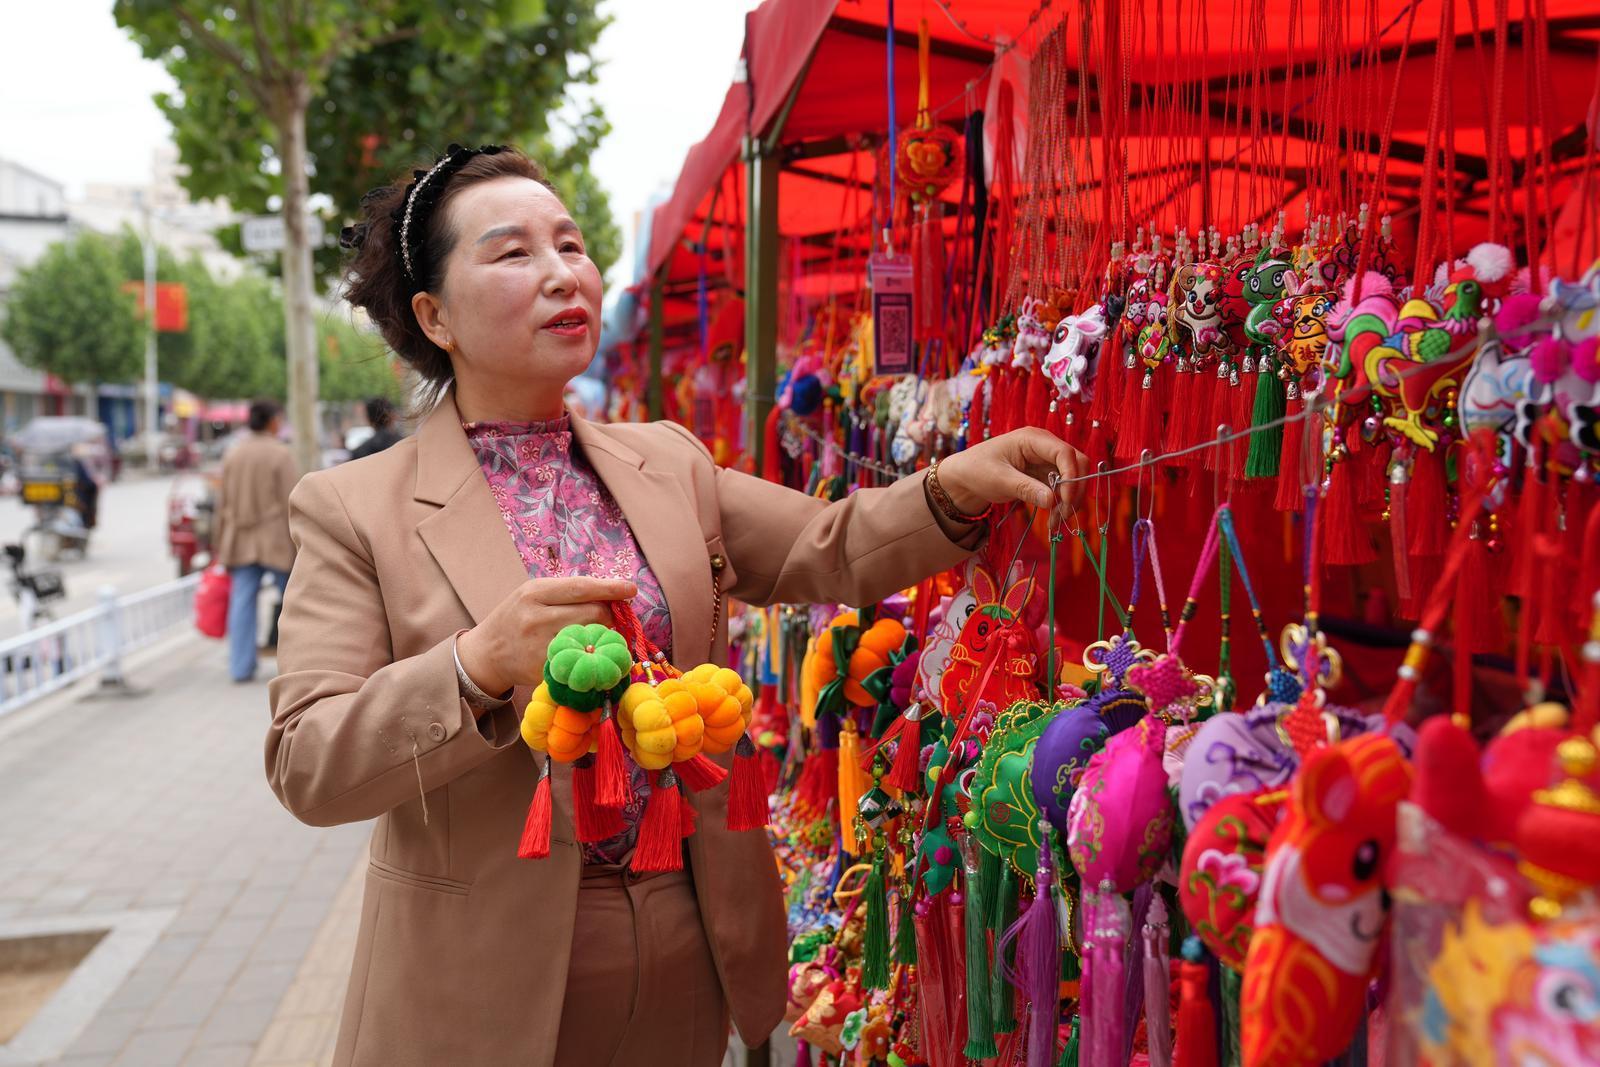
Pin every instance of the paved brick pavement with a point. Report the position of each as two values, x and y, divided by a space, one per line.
233 925
150 815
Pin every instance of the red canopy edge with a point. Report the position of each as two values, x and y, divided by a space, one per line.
779 37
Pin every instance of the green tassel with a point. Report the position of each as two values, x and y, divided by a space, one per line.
1002 997
905 937
1266 445
875 954
1232 986
980 1038
1069 1055
1071 969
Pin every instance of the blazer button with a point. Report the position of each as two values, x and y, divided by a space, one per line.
436 731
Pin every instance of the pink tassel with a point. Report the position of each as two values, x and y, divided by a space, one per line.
1157 985
1106 918
1037 974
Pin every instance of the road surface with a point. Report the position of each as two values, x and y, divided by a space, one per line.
127 551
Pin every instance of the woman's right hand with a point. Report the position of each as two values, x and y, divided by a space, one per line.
508 647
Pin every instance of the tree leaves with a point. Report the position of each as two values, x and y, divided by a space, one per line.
391 82
67 314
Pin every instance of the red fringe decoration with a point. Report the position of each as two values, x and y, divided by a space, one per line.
1291 487
612 788
976 417
688 817
819 780
535 843
1427 504
1480 623
1153 403
905 774
747 793
1345 541
1196 1041
591 821
1132 385
698 773
771 456
1037 404
1243 418
1181 412
660 846
771 771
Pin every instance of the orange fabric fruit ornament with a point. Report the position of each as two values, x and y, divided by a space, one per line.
1323 910
725 704
661 724
559 731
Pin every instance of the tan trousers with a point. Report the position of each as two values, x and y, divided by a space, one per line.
642 987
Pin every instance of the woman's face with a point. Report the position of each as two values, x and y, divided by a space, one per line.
520 300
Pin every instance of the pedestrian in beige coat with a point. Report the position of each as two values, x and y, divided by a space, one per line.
252 527
412 634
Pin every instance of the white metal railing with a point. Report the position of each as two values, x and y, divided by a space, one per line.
57 654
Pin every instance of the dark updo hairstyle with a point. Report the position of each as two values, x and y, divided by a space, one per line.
378 280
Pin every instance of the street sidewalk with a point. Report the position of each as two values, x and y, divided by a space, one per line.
232 924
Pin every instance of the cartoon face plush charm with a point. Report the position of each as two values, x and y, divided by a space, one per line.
995 628
941 642
1154 346
1077 338
1323 909
1195 328
1304 342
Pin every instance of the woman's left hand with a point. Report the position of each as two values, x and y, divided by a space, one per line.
1014 466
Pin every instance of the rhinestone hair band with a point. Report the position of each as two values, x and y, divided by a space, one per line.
421 193
411 203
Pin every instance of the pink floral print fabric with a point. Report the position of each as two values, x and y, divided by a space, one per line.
564 522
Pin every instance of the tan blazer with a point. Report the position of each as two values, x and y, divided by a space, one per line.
253 514
463 948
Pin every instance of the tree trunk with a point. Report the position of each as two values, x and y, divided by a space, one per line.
300 337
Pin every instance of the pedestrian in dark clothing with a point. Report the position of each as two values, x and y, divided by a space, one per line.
380 415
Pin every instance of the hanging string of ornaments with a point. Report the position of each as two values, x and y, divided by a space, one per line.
1317 334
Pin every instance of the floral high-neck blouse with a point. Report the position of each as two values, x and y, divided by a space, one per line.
564 522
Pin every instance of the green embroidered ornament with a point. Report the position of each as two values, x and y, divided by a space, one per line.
1007 816
588 659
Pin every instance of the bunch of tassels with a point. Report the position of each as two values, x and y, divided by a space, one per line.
602 784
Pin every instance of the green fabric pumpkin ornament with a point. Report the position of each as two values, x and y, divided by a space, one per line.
591 658
1004 815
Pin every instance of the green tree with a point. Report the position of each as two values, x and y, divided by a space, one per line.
68 314
237 330
356 363
333 96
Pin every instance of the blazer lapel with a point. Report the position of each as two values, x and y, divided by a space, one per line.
667 528
467 535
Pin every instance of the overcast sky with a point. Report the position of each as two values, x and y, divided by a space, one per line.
75 93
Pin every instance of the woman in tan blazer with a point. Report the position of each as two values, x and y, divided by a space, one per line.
411 616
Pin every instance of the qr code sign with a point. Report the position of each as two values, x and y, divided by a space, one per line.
893 328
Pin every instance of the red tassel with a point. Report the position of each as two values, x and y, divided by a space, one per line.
1291 479
771 465
590 820
819 781
1182 412
905 774
771 770
1152 405
1427 504
1345 541
699 773
612 788
1196 1044
747 794
535 843
660 846
1479 620
688 817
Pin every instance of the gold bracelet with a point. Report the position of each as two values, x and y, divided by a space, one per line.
942 498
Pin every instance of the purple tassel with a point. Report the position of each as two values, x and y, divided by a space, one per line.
1157 985
1037 974
1133 969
